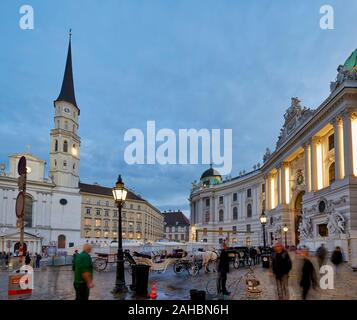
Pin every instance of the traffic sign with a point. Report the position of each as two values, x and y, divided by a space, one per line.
21 167
20 204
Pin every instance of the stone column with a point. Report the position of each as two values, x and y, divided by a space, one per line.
307 171
313 164
267 192
283 184
347 144
279 184
338 144
212 210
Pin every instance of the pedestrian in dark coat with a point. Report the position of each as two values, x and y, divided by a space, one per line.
27 259
336 257
223 269
308 275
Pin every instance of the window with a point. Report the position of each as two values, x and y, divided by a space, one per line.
115 234
107 203
131 206
248 242
87 210
55 163
87 234
98 202
64 163
61 241
220 230
66 125
176 229
56 145
182 237
248 228
220 216
88 201
106 234
65 146
235 196
97 234
207 216
115 224
97 212
139 208
115 214
176 236
331 142
220 200
235 213
106 224
331 173
249 210
98 222
28 212
263 187
249 193
234 229
167 229
88 222
322 229
106 213
73 129
207 202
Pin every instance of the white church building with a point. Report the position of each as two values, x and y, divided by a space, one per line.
53 204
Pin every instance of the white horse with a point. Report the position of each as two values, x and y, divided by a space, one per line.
207 258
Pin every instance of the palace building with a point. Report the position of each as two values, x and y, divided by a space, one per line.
308 183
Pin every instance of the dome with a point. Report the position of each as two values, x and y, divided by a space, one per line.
210 173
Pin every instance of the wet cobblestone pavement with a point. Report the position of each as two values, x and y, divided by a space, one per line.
56 283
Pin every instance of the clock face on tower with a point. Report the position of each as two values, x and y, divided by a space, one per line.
67 110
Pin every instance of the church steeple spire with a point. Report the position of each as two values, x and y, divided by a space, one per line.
67 90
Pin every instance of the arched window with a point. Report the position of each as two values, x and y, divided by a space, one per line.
56 145
65 146
66 125
61 241
331 172
235 213
221 215
28 212
249 210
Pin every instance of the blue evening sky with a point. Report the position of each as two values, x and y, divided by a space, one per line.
183 63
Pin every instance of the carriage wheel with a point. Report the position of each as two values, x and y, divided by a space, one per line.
236 264
99 264
193 269
178 268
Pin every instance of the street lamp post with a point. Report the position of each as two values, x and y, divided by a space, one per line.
119 194
263 221
286 229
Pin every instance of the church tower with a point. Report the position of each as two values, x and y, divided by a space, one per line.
65 142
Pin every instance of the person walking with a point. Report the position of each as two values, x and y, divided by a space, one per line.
2 260
336 257
308 275
281 266
321 254
83 273
38 260
74 259
223 269
27 258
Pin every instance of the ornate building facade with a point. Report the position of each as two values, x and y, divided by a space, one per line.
308 183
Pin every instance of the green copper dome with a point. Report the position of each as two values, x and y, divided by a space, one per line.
351 62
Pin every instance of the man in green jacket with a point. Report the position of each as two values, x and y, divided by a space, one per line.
83 273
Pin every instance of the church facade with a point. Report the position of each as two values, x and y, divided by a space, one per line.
308 184
53 204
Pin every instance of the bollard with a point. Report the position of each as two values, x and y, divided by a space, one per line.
19 285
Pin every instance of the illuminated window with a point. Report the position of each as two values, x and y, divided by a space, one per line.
98 222
331 173
331 142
